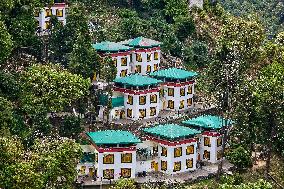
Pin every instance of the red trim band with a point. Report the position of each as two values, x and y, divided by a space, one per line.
178 84
169 143
136 92
213 134
146 50
59 5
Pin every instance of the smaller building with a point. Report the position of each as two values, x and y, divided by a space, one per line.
210 141
119 53
43 15
86 167
177 89
145 56
176 148
115 154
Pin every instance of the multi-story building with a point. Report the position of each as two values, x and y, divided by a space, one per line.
134 97
177 148
177 88
120 54
43 15
115 154
210 141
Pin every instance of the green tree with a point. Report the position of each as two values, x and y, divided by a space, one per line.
6 43
6 113
240 157
124 184
256 185
71 127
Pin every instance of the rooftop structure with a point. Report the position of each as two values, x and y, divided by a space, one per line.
137 80
141 42
174 73
208 122
171 131
113 137
107 46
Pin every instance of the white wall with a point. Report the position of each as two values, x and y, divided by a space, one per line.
144 62
119 67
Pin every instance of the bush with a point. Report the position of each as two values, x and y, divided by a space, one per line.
240 157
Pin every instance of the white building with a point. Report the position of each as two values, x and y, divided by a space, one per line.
43 15
134 97
210 141
115 154
177 89
176 148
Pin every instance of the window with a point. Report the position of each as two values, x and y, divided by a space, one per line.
138 57
153 98
206 155
170 92
163 165
124 61
164 151
138 69
190 150
142 100
48 12
115 61
189 163
178 152
83 169
156 55
181 104
130 100
219 142
171 104
207 141
155 67
125 172
108 174
219 155
108 159
129 113
189 102
152 111
162 92
189 89
97 157
123 73
47 25
142 113
177 166
126 158
36 13
182 91
59 12
148 68
149 57
116 113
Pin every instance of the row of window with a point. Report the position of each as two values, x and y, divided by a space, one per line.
47 24
124 173
48 13
208 143
149 57
172 93
123 61
177 165
125 158
142 99
142 112
171 103
178 151
206 154
148 69
123 73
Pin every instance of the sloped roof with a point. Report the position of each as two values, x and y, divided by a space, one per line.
171 131
208 121
137 80
141 42
113 137
173 73
107 46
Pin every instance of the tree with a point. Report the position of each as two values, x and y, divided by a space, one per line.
71 127
240 157
83 58
6 113
256 185
124 184
6 43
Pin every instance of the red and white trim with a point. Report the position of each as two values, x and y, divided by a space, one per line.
136 92
212 134
170 143
179 84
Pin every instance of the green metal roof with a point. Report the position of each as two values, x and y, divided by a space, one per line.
108 46
116 102
141 42
171 131
208 121
137 80
113 137
173 73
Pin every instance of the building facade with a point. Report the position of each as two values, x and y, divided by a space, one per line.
59 9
